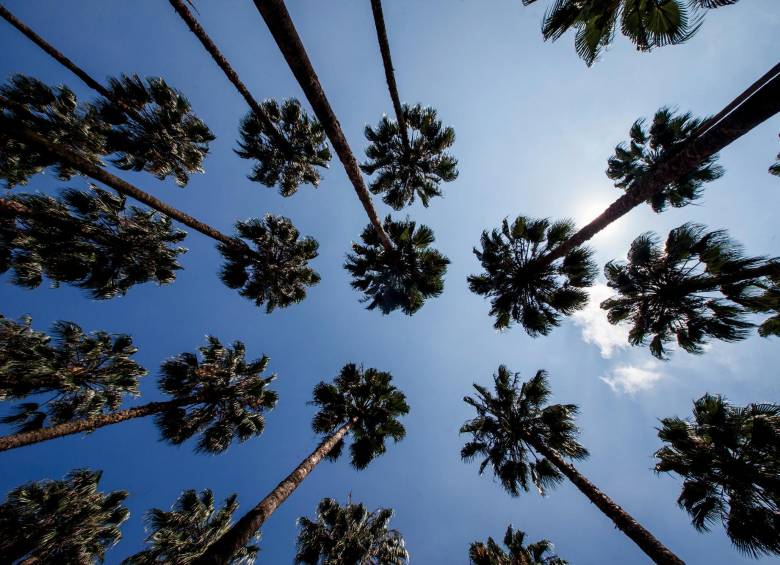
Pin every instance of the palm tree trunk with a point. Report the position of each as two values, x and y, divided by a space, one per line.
222 550
90 424
387 62
654 549
755 109
277 18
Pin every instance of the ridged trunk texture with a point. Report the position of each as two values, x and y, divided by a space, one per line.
221 551
276 17
654 549
90 424
754 109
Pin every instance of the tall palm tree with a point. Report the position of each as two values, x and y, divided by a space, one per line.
403 277
523 289
729 459
526 441
90 239
67 521
287 145
360 402
86 374
219 398
349 535
181 535
151 124
699 286
490 553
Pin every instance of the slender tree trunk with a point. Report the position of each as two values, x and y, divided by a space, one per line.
762 105
90 424
387 62
222 550
276 17
654 549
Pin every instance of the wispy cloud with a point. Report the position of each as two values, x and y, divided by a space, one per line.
595 327
632 379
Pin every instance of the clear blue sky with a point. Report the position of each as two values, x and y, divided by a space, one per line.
534 129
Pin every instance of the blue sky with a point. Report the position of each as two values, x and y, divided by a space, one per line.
534 129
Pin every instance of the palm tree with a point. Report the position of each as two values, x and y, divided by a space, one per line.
729 459
403 277
521 287
360 402
525 441
775 169
700 285
67 521
220 398
86 374
349 535
182 534
287 145
90 239
491 553
151 125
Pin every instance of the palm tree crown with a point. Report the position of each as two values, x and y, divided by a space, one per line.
349 535
491 553
729 459
700 285
86 374
418 170
666 136
229 396
90 239
402 277
366 398
182 534
275 273
67 521
505 422
520 289
286 167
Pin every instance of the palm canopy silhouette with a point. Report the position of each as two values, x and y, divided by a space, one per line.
404 173
667 134
491 553
85 374
65 521
90 239
182 534
522 288
729 459
349 535
401 277
700 285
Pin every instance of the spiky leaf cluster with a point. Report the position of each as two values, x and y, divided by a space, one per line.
399 278
67 521
521 290
648 148
698 286
151 127
729 459
491 553
181 535
53 113
85 374
508 420
349 535
275 271
90 239
415 171
226 396
290 165
367 397
775 169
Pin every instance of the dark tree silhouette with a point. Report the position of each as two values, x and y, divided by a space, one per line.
537 553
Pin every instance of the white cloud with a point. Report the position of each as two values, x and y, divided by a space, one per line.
631 379
595 327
